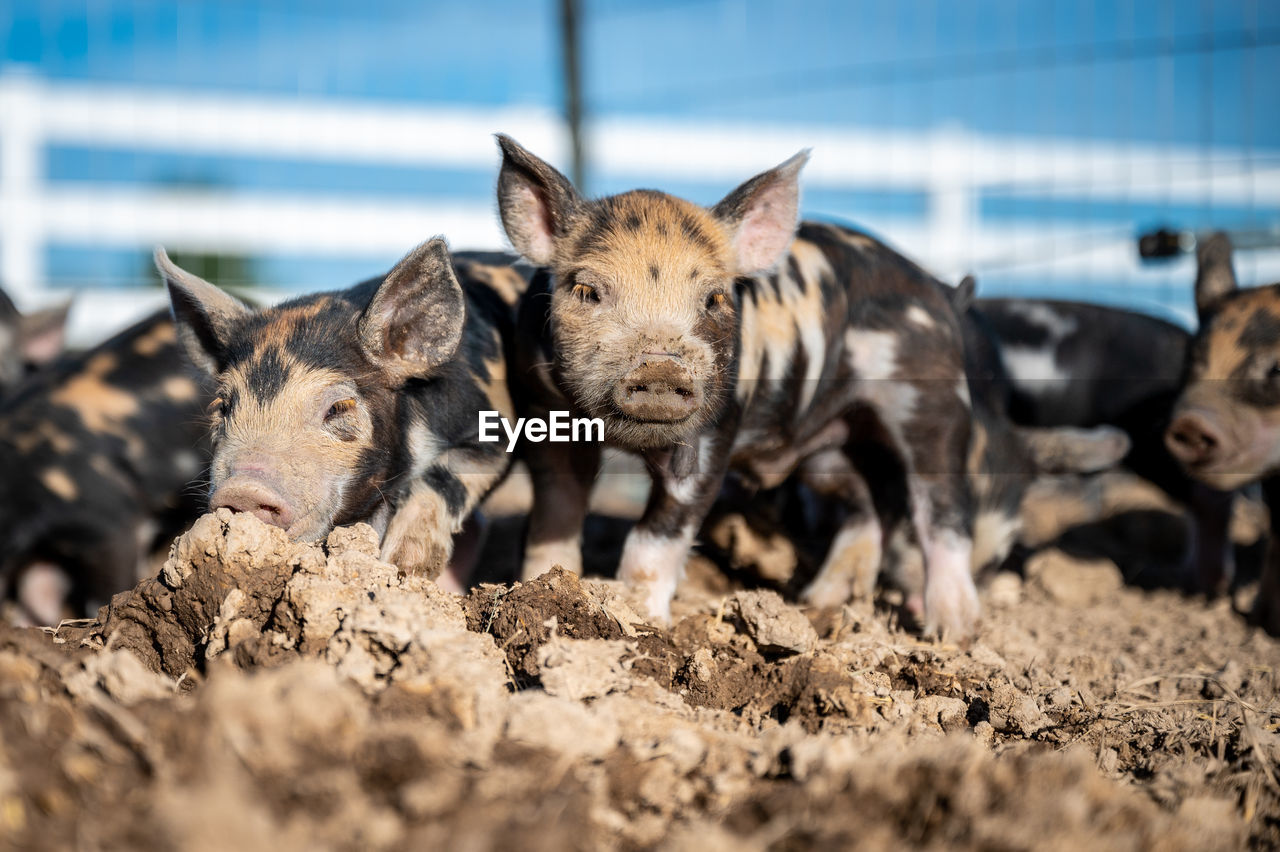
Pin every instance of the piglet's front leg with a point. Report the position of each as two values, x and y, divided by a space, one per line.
562 475
655 552
419 537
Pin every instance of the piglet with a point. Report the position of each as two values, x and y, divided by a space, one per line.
360 404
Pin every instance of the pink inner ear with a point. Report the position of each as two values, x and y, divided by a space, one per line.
43 346
767 229
535 225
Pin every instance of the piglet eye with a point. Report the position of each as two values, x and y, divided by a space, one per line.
716 300
339 408
585 293
1274 370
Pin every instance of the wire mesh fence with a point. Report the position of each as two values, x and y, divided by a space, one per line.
304 145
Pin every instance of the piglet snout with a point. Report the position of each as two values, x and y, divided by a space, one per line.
659 389
1194 439
255 499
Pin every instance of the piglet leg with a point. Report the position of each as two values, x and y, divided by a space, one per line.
937 440
656 549
466 553
950 599
440 503
562 474
1211 556
852 563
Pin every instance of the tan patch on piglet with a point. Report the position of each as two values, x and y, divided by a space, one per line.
59 482
162 335
180 389
102 407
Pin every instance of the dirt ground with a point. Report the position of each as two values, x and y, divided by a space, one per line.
263 694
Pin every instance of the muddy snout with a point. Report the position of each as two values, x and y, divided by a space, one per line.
255 497
659 389
1195 439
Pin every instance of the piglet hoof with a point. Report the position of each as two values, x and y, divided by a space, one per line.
448 582
541 557
417 556
657 602
951 607
654 592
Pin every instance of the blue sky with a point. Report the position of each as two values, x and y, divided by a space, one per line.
1178 73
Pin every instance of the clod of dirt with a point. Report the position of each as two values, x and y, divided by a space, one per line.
775 627
118 674
1013 712
380 629
1073 582
336 704
218 587
523 617
585 668
1227 681
957 796
275 754
234 586
351 599
944 712
562 727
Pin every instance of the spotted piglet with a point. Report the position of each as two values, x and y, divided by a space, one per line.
1005 461
1226 425
1078 364
358 405
711 339
98 453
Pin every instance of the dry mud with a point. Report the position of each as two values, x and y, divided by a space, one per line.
263 694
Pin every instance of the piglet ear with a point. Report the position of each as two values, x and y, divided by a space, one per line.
414 322
963 294
537 203
1214 276
204 314
41 334
761 215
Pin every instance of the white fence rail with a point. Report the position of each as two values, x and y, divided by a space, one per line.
950 167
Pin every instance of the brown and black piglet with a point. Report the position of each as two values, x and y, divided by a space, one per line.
710 339
1226 425
99 452
360 404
